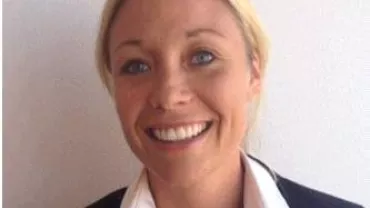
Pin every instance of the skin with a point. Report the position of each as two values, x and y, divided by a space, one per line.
165 87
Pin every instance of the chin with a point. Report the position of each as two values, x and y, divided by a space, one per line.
178 176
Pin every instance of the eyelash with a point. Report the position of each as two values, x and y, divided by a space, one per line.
203 52
125 69
143 67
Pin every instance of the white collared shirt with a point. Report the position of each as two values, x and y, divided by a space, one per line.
138 194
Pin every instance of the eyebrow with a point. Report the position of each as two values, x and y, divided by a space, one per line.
189 34
199 31
130 42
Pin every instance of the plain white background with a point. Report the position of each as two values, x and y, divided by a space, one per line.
63 146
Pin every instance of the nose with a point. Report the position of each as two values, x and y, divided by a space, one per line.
170 92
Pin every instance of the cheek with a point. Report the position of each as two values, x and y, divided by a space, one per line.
129 105
226 91
129 102
226 94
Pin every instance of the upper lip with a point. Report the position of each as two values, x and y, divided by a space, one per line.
166 125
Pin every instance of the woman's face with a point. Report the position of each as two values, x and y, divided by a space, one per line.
182 81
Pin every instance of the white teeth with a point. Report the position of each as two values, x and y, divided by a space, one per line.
171 134
179 133
157 133
189 130
195 129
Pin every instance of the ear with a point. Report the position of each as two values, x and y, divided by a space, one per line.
255 81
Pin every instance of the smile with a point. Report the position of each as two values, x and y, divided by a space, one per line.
179 133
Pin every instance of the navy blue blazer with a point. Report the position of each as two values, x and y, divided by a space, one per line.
296 195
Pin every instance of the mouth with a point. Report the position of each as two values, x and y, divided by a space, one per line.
179 133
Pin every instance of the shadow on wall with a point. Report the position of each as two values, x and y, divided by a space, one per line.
63 145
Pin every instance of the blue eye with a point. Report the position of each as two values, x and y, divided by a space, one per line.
202 58
134 67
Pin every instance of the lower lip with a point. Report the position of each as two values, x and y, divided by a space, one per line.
180 145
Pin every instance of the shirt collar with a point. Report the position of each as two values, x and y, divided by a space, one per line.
138 194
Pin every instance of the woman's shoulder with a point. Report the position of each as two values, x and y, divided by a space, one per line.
301 196
298 195
295 194
112 200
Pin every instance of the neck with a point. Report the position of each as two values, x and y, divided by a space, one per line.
223 187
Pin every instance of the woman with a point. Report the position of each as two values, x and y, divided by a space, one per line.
185 76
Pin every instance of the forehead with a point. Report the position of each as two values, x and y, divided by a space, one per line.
147 18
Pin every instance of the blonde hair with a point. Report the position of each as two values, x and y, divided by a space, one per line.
247 19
